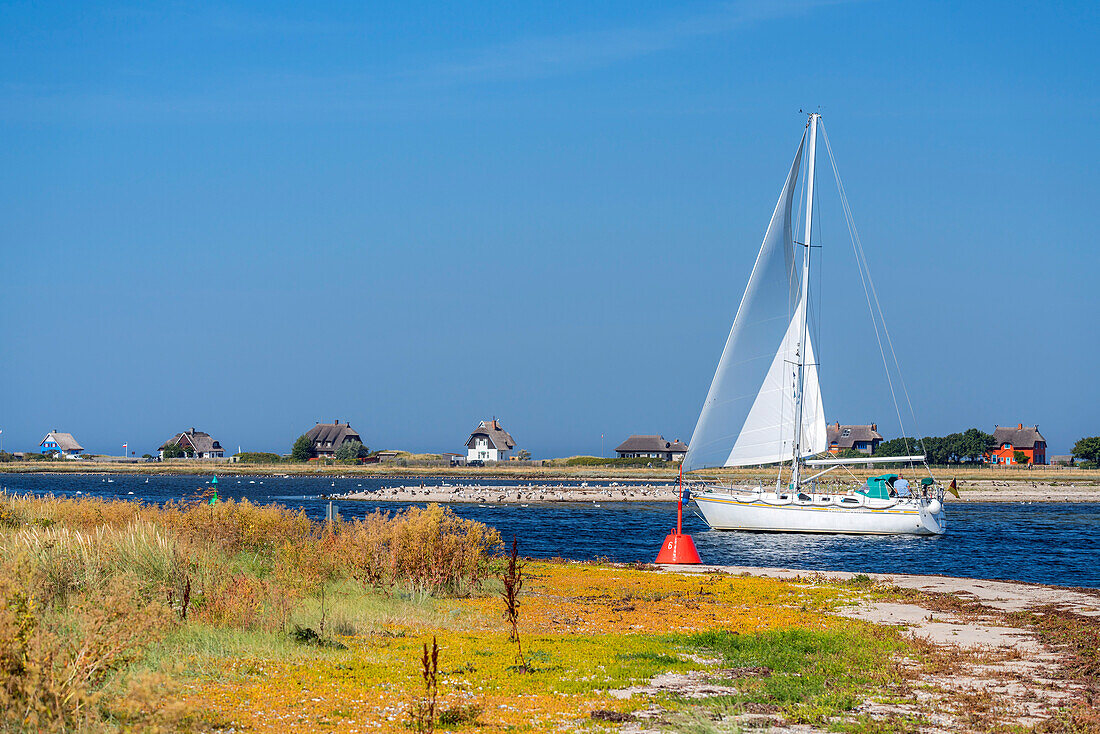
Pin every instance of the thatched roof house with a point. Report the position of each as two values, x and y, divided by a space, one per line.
652 446
327 437
489 442
862 438
196 444
60 443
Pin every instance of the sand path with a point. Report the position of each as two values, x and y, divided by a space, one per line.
996 664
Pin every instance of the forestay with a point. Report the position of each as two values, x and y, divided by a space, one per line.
748 416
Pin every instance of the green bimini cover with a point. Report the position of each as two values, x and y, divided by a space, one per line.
878 488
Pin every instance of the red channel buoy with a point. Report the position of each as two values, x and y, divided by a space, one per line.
678 547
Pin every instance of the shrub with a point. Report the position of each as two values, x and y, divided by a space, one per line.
173 451
430 547
351 451
600 461
53 663
258 457
236 563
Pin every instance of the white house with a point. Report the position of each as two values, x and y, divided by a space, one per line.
489 442
62 444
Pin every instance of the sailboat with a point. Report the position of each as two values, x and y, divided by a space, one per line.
764 406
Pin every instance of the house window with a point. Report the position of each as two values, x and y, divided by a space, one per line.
846 432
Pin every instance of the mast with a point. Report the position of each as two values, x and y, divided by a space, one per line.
796 463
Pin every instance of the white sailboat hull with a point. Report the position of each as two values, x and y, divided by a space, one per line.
786 513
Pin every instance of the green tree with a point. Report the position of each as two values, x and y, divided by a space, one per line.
898 447
523 455
350 451
955 448
1020 457
1087 449
302 450
850 454
974 445
173 451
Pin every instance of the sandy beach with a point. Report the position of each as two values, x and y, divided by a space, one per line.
970 491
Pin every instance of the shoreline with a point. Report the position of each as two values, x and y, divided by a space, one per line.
522 494
177 467
1006 593
582 487
525 494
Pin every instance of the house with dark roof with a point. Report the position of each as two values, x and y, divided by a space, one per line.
1026 439
327 437
864 439
195 445
489 442
652 446
62 444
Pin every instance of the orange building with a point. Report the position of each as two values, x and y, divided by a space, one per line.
1007 441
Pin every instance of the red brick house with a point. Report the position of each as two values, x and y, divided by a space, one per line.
1027 439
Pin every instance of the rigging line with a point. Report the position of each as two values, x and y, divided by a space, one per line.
861 265
819 302
882 318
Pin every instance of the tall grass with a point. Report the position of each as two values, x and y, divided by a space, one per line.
87 585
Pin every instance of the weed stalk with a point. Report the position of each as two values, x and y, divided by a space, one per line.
424 714
513 583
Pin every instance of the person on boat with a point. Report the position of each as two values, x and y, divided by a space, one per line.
901 486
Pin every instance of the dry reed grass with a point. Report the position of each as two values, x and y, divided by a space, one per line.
87 585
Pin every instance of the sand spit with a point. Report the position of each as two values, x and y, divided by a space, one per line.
971 491
520 494
992 490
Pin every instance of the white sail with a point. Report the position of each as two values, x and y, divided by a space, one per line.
755 341
767 436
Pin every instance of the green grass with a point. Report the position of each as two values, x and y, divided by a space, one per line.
816 676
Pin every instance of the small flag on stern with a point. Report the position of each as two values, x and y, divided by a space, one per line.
953 488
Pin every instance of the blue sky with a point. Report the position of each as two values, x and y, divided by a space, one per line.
250 217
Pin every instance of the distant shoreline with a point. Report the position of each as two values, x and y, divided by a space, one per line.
526 494
1048 484
507 470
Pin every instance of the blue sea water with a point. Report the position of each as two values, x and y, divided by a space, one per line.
1049 543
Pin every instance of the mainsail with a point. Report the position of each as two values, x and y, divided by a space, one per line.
748 416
